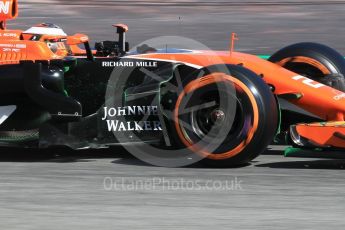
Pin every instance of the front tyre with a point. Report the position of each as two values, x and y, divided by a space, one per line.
315 61
247 127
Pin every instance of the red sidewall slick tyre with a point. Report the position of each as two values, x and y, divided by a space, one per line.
254 122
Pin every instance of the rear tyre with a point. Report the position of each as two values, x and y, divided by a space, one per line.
253 121
315 61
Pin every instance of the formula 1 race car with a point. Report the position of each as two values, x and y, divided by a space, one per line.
223 106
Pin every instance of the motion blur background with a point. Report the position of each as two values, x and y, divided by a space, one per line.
263 26
66 191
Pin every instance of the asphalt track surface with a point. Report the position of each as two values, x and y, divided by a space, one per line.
60 189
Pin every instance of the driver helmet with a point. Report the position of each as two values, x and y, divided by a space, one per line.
45 32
